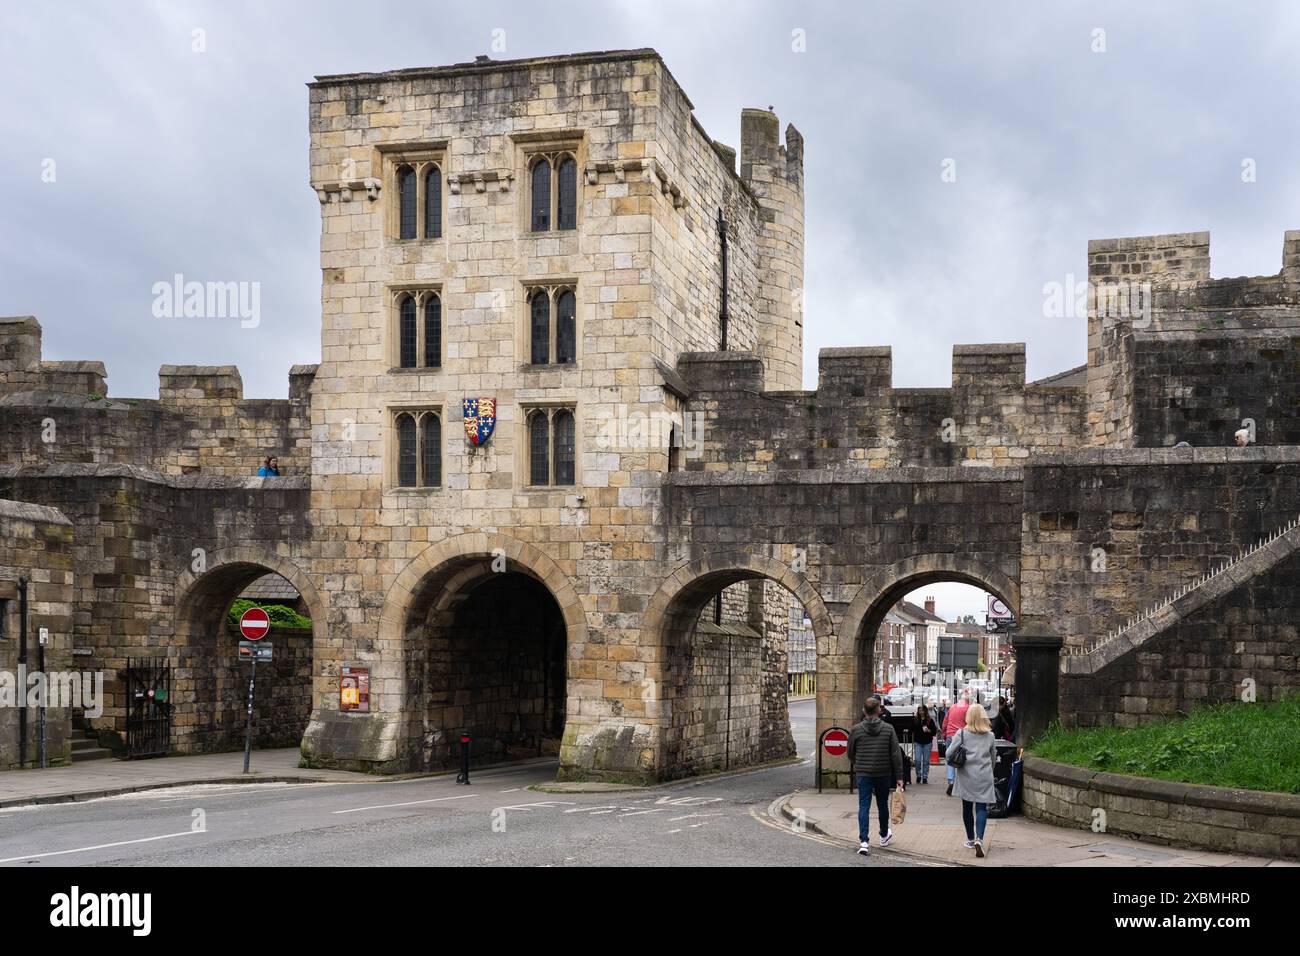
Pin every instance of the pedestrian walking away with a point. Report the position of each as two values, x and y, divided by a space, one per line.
924 731
954 721
877 763
970 755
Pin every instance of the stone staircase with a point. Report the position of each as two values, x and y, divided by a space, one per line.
1159 617
85 742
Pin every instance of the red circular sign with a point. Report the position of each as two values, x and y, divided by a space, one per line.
836 743
255 624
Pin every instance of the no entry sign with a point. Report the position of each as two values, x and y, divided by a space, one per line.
836 742
255 624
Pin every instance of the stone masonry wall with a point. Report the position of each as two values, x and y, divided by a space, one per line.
1162 811
1105 536
35 544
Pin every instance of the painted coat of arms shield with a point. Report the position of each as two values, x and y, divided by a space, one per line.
480 419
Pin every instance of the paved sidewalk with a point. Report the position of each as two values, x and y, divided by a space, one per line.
102 778
933 829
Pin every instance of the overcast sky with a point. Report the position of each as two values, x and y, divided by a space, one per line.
168 160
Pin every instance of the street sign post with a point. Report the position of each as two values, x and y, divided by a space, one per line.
254 624
833 742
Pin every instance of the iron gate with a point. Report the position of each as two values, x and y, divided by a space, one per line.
149 708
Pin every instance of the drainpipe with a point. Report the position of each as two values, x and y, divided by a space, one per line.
722 239
22 669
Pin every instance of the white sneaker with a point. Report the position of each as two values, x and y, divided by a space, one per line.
884 840
979 847
864 849
969 844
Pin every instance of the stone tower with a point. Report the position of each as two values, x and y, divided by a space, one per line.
774 172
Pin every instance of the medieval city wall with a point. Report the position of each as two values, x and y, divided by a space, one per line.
200 424
990 416
35 544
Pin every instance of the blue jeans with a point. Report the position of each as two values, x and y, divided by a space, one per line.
921 760
880 786
980 812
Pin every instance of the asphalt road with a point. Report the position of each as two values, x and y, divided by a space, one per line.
497 821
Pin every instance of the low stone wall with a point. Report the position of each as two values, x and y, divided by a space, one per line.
1162 811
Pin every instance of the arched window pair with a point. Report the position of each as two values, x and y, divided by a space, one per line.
419 450
547 338
419 330
551 447
419 185
554 181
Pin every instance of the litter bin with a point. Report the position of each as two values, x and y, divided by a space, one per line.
1003 759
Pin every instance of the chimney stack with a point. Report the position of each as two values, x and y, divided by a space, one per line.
929 605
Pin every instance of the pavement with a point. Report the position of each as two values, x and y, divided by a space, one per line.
105 778
933 832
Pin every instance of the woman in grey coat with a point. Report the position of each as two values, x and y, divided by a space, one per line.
975 777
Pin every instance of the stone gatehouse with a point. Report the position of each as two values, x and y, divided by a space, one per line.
557 246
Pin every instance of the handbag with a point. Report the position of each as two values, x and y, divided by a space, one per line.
957 755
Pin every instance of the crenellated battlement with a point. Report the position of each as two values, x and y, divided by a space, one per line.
200 423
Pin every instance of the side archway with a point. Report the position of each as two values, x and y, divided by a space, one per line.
880 592
720 680
208 708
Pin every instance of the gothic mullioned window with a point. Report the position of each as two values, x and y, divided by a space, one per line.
406 200
539 446
419 448
406 451
552 447
552 341
541 206
563 427
415 173
566 212
418 342
407 333
553 184
432 331
566 311
432 201
431 450
539 327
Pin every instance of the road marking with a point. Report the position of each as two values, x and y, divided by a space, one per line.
409 803
542 803
511 790
691 816
101 846
638 813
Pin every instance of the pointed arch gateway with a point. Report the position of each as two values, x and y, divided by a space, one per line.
713 674
484 623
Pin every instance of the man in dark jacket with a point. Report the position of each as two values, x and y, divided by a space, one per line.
877 763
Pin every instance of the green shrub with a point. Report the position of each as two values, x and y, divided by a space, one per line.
280 615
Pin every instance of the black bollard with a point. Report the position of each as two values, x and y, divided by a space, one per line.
463 776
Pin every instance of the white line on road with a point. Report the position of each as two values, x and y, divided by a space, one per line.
409 803
101 846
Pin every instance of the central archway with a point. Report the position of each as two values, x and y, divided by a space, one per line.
484 624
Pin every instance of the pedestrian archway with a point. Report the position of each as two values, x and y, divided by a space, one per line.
869 619
724 625
209 683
